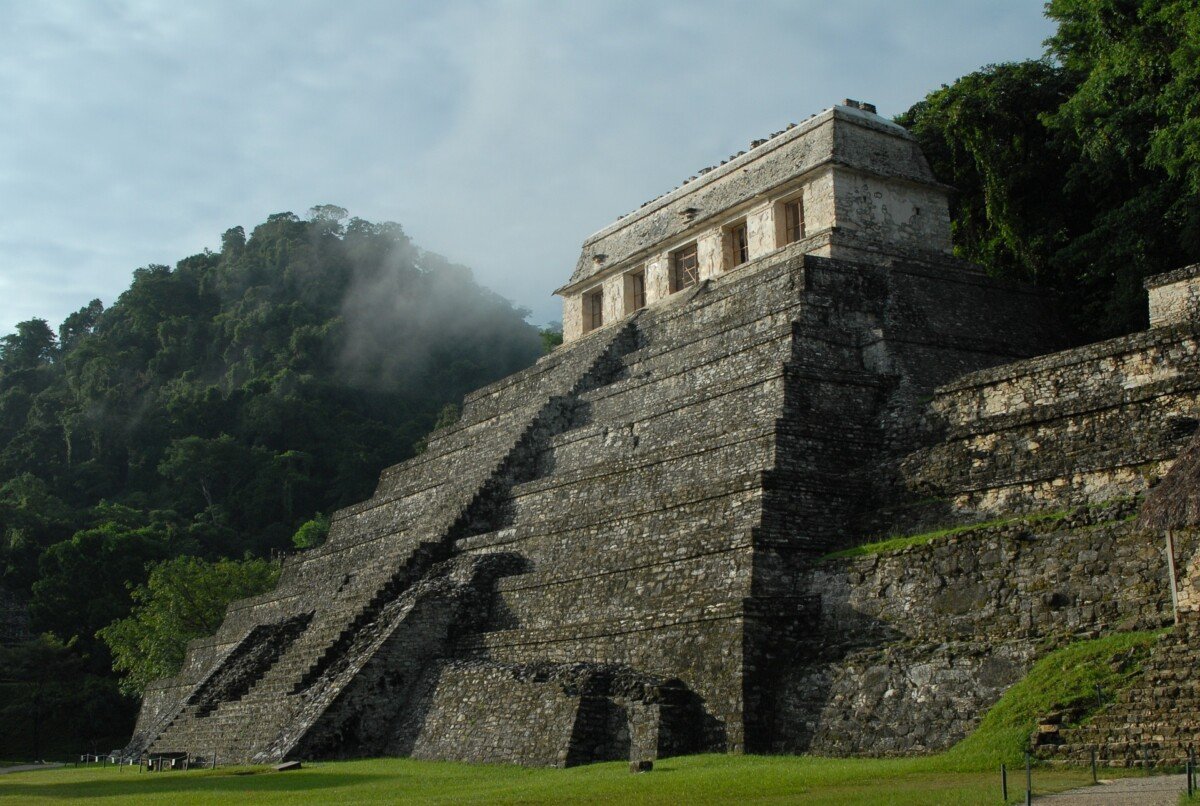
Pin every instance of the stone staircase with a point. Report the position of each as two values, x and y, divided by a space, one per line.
268 695
1152 722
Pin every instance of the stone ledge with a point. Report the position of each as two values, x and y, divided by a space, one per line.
1135 342
590 630
1174 276
1042 414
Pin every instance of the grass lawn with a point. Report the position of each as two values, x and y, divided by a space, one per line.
693 779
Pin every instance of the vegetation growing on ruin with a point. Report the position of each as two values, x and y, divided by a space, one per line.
1063 680
893 544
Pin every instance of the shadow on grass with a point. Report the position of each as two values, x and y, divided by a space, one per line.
158 784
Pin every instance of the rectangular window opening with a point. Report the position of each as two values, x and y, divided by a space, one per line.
685 268
793 221
739 245
593 310
635 291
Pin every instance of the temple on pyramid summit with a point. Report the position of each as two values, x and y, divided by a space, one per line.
630 549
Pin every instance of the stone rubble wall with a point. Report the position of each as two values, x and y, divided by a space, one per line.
915 645
1174 297
548 715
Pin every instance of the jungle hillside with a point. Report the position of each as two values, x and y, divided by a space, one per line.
159 454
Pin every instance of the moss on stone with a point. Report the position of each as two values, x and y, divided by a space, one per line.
1063 681
898 542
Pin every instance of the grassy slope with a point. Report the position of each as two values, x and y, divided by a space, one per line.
898 542
966 774
1062 679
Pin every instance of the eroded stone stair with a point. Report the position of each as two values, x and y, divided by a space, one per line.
1151 723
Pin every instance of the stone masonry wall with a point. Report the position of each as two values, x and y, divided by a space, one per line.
916 644
1174 297
1093 423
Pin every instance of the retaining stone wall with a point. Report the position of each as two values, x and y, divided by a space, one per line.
916 644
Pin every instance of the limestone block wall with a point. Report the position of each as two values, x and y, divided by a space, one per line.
475 710
839 135
891 212
1093 423
1174 297
761 237
915 645
853 171
548 714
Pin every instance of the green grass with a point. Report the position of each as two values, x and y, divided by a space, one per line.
1064 679
897 542
966 774
694 779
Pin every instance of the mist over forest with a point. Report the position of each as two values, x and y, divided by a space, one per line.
215 410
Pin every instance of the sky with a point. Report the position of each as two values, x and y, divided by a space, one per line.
499 134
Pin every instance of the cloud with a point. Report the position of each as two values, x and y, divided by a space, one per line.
497 133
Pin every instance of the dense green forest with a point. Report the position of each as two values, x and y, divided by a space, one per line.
1081 171
216 409
156 454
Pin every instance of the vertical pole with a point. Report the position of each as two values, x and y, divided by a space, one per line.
1094 779
1171 571
1004 781
1145 760
1028 780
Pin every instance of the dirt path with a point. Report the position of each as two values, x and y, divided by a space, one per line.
28 767
1157 790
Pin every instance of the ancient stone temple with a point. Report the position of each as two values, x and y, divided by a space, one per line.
622 551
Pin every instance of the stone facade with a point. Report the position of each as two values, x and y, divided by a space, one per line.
621 551
864 187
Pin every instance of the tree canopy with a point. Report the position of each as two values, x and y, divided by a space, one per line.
213 412
1080 171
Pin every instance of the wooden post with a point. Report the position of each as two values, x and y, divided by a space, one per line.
1028 781
1171 570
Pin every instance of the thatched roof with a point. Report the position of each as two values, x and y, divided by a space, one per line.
1175 502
